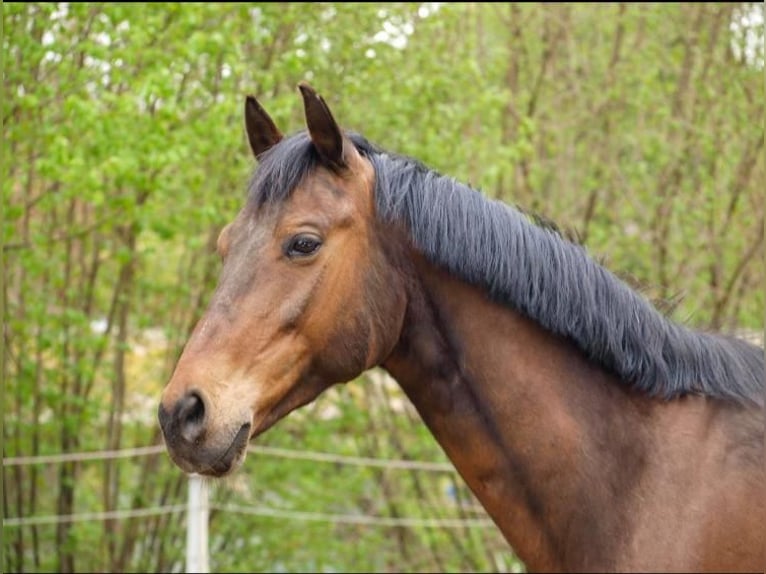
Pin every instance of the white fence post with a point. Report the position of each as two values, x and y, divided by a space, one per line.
198 509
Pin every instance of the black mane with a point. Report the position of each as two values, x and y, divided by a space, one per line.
536 271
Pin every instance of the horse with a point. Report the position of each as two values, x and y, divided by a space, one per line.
598 434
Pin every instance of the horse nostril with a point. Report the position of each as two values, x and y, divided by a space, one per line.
190 415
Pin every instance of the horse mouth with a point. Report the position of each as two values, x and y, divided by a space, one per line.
232 457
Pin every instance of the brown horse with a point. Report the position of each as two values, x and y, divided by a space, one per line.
598 434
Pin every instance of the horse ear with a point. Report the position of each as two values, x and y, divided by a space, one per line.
261 131
324 131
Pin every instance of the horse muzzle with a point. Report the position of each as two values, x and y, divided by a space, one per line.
194 445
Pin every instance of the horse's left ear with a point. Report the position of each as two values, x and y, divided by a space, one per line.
323 129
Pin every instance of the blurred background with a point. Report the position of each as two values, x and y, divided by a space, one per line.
638 126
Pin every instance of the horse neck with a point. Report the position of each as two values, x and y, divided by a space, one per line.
520 413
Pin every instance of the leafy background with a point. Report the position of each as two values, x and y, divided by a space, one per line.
639 126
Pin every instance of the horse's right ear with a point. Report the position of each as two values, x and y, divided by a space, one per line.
261 131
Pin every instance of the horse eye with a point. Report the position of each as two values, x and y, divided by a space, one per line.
302 245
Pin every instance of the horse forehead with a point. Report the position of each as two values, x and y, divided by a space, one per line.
334 198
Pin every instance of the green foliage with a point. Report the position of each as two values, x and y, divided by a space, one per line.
638 125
